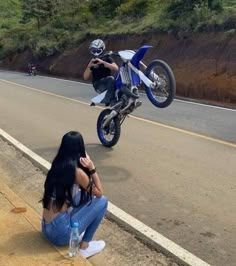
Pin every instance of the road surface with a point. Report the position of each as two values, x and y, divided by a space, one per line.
173 169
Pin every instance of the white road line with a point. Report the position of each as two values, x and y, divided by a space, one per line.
207 105
177 100
146 233
66 80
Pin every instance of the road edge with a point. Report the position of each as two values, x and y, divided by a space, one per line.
129 223
84 82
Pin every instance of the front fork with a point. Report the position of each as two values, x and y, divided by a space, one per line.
144 78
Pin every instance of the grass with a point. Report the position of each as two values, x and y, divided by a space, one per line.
63 30
229 4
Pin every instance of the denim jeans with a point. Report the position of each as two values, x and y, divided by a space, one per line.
89 216
103 84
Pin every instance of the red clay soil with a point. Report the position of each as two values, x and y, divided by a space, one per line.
204 64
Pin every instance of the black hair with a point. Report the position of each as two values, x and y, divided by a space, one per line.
61 176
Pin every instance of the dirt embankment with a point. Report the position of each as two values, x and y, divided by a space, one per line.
204 64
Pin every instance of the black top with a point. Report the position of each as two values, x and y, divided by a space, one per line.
100 71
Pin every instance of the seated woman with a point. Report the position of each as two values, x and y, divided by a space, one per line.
73 193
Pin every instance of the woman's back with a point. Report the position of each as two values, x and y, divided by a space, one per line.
51 212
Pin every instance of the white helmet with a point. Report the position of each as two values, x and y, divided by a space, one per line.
97 47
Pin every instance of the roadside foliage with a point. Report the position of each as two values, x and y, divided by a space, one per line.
50 26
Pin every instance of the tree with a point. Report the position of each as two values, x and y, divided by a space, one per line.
133 8
215 5
104 8
177 8
37 9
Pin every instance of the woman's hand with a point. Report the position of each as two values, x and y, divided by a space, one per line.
87 162
83 180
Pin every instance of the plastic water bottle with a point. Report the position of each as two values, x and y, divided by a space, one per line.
74 241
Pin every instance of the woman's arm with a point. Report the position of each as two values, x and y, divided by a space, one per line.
83 180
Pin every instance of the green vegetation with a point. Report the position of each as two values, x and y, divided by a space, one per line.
51 26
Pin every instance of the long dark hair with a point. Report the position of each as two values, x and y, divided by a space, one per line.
61 177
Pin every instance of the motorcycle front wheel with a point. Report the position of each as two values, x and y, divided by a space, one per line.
110 134
163 92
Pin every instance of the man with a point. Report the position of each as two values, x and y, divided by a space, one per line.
100 68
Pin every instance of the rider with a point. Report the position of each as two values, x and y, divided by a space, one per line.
101 67
31 64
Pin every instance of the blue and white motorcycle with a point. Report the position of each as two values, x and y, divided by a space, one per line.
159 85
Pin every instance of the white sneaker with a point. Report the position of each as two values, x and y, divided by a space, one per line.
93 248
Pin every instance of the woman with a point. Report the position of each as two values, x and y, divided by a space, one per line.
73 193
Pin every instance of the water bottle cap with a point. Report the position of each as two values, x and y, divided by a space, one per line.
75 224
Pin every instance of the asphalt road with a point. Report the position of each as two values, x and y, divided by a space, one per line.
173 169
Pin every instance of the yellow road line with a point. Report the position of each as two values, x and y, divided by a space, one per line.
134 117
45 92
186 132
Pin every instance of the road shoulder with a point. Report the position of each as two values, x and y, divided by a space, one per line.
21 240
122 248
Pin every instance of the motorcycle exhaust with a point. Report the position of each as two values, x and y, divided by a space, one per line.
126 91
136 103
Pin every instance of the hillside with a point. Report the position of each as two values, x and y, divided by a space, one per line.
197 38
204 64
9 13
51 26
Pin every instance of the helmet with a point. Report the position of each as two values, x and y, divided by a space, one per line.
97 47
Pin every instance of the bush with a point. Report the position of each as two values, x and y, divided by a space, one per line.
133 9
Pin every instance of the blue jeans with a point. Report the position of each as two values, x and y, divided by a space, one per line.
89 216
103 84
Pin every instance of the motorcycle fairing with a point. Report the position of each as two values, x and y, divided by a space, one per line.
126 55
138 56
98 99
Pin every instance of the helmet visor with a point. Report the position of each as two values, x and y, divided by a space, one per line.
96 51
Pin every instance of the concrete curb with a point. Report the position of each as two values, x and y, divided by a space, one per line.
142 231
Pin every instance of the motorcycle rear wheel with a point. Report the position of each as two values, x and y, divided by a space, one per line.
163 95
109 135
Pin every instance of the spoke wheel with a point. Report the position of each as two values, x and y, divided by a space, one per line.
162 93
110 134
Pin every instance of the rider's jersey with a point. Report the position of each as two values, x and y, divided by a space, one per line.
100 71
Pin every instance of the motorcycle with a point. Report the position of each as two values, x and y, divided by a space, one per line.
159 85
32 70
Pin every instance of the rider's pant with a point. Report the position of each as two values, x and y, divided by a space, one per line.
103 84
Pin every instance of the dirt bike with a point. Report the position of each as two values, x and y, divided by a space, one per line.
32 70
159 83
